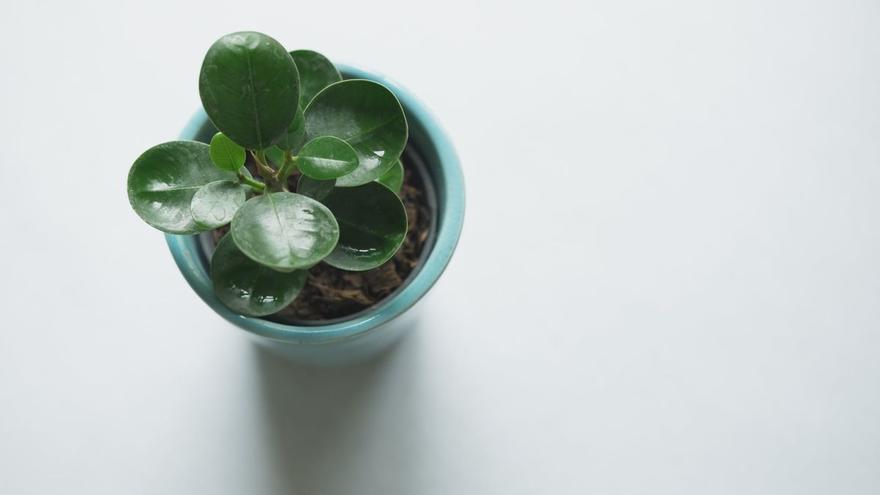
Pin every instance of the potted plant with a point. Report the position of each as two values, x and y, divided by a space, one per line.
311 205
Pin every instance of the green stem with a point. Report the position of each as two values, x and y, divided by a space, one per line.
288 168
267 172
255 184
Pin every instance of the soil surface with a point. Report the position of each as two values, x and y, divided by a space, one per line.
333 293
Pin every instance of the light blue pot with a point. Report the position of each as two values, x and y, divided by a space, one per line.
367 333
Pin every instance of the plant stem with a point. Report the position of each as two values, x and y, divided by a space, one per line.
265 171
269 174
288 168
255 184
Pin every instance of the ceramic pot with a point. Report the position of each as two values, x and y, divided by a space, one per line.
364 335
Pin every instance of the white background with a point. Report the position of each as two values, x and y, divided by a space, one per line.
668 280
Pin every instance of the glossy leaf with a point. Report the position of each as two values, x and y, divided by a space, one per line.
314 188
249 87
163 181
214 204
393 178
226 153
372 226
368 117
316 72
285 231
327 157
249 288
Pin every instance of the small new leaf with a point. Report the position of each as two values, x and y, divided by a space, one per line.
275 155
226 154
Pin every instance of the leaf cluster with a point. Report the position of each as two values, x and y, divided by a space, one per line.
294 115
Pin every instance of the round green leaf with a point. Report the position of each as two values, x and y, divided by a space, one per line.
393 178
214 204
225 153
285 231
163 181
248 287
316 72
314 188
372 226
327 157
367 116
250 88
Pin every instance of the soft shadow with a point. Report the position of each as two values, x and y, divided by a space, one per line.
343 430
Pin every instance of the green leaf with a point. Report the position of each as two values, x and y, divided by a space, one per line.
214 204
314 188
316 72
372 226
163 181
249 87
225 153
285 231
393 178
295 136
327 157
368 117
248 287
275 155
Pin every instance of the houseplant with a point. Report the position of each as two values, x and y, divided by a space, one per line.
319 189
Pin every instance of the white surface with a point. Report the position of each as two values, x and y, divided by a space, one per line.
668 280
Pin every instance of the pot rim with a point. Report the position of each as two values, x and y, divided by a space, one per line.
450 217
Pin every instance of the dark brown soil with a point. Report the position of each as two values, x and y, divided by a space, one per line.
332 293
